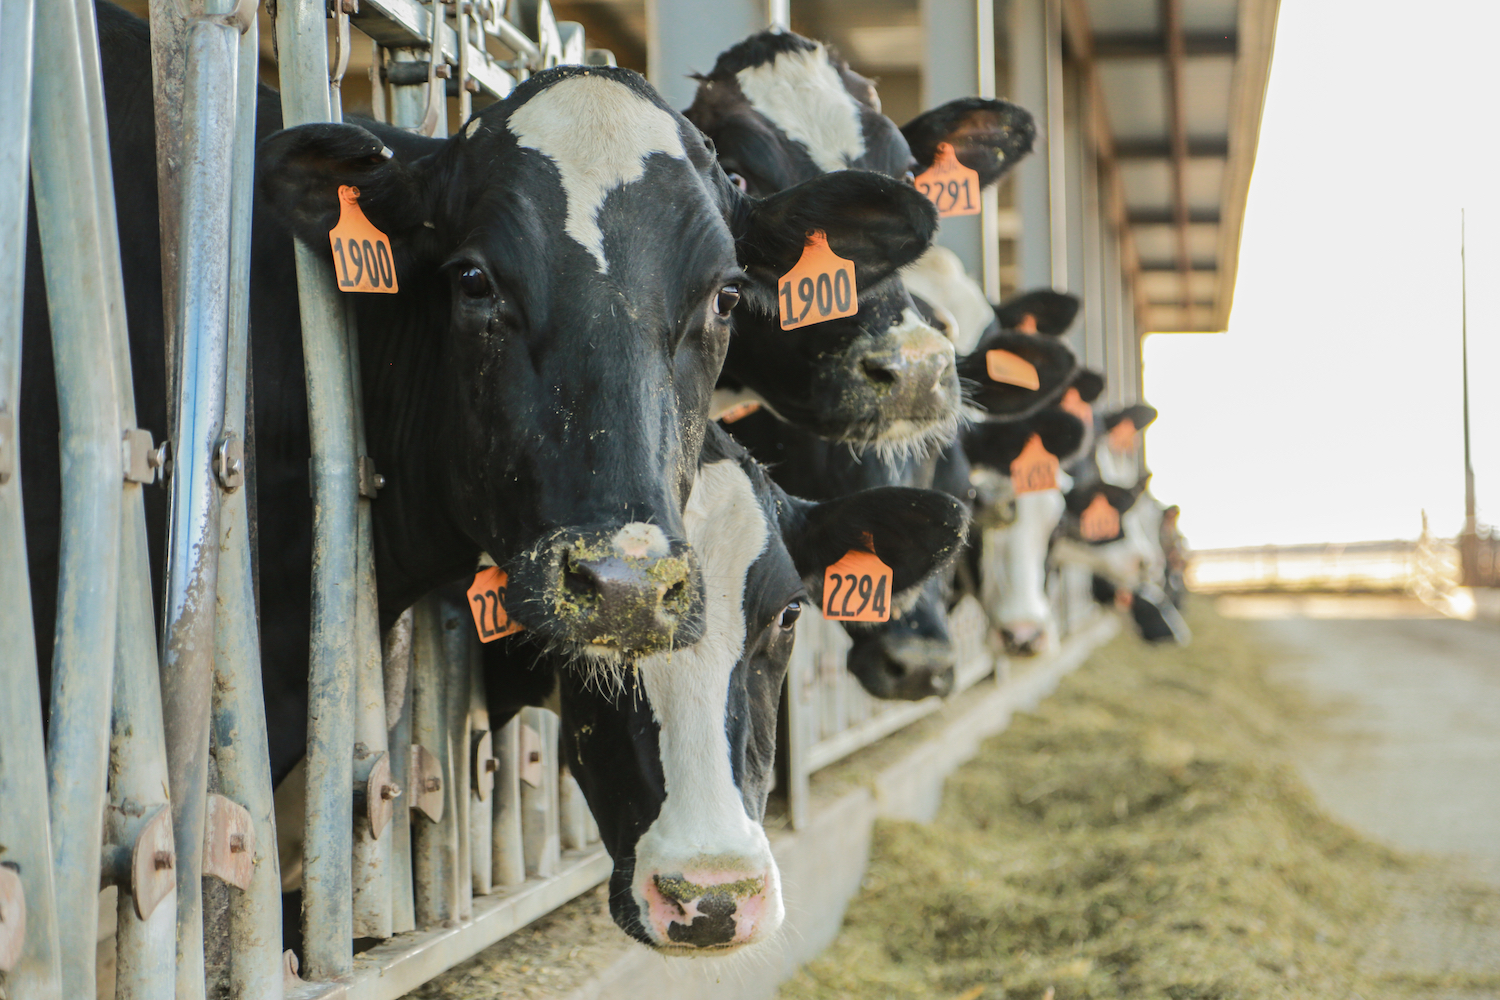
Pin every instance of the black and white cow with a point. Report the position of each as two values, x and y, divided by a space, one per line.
537 390
781 110
676 756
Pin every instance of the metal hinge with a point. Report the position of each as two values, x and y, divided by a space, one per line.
229 463
142 459
370 481
229 842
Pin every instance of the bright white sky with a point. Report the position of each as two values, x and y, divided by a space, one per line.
1331 410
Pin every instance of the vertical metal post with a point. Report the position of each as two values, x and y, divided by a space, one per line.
459 651
958 60
434 846
327 892
398 677
683 36
482 790
573 813
508 862
1471 523
75 245
539 833
25 833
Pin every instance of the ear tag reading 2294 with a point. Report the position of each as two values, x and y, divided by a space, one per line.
948 184
1035 469
820 288
857 588
361 253
1099 521
487 601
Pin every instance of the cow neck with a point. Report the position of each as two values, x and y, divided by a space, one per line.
418 544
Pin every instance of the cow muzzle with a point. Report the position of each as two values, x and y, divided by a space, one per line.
904 667
713 909
1023 638
911 375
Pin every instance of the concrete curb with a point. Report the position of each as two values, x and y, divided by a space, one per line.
822 866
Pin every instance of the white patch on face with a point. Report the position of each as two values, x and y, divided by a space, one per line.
1115 468
703 832
639 540
938 276
1023 589
803 95
599 133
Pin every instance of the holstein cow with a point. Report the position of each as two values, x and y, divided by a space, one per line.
676 756
782 109
538 389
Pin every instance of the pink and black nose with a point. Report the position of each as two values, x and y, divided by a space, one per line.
708 911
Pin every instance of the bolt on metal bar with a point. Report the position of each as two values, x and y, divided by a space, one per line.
25 833
75 242
327 893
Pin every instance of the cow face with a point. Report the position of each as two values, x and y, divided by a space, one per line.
781 111
910 657
1040 311
677 765
1027 374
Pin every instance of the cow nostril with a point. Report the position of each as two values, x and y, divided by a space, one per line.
580 581
675 592
877 372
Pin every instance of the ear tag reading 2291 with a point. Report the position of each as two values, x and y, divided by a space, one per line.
820 288
487 601
1099 521
857 588
361 253
948 184
1035 469
1011 369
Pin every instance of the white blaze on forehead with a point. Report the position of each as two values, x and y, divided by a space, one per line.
804 96
599 133
703 825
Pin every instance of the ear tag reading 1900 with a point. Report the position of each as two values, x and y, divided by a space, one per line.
1035 469
487 602
1099 522
361 253
1011 369
948 184
1072 402
820 288
857 588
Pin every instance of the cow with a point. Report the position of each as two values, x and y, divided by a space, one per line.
676 756
1041 310
781 110
537 389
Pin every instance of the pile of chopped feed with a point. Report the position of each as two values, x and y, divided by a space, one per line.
1141 835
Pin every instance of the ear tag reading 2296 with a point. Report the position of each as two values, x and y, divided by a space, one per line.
820 288
1011 369
487 601
361 253
948 184
1099 521
1035 469
857 588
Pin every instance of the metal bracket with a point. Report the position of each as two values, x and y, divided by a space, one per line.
377 794
483 766
12 916
370 481
229 842
140 456
7 446
152 861
229 463
427 782
530 769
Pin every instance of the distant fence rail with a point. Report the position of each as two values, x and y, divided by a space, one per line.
1417 567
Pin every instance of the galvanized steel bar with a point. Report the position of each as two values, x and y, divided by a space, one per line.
75 242
25 834
434 842
573 813
239 715
507 860
539 833
398 663
327 893
482 769
461 649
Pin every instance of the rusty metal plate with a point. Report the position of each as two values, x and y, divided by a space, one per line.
482 768
139 455
426 782
12 918
529 766
380 795
229 842
152 864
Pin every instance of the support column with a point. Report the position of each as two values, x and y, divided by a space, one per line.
1036 85
686 36
958 60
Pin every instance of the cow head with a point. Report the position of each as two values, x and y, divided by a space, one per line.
677 764
1041 311
782 110
1010 375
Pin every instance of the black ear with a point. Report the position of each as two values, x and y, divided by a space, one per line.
914 532
1089 384
1052 359
878 223
1060 431
301 169
996 445
1053 311
989 136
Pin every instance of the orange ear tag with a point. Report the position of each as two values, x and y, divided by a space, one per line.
1099 522
361 253
1011 369
948 184
1073 403
857 588
487 601
1035 469
820 288
1122 436
739 411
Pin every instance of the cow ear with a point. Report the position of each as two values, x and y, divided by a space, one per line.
1052 359
1053 311
989 136
878 223
1089 384
301 170
1061 432
914 532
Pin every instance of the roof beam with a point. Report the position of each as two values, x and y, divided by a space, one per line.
1152 45
1168 217
1171 20
1198 147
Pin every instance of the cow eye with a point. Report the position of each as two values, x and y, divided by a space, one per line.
739 181
910 177
473 283
790 614
726 300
